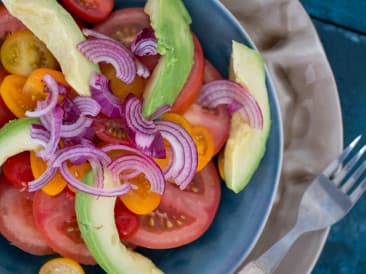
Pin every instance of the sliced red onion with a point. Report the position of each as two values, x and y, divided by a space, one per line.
71 110
226 92
74 152
42 180
141 132
55 119
134 164
44 107
77 128
95 34
99 87
40 134
87 105
93 190
112 52
142 70
145 43
184 157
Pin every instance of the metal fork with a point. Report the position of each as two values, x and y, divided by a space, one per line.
328 199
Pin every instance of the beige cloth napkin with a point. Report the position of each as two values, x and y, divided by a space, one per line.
312 123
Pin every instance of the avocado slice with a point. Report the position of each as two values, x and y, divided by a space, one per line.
15 137
170 21
95 216
246 145
53 25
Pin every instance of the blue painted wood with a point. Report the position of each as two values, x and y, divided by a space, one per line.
347 13
345 250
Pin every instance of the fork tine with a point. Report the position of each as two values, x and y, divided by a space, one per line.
357 193
354 178
349 166
332 167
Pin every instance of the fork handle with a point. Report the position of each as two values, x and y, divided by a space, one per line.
270 260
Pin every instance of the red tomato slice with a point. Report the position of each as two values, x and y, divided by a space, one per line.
123 25
8 23
91 11
217 121
5 114
16 220
127 222
17 170
183 216
193 85
110 130
56 219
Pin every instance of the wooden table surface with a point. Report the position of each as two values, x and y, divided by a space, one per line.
341 25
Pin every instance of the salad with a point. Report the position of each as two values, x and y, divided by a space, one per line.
115 130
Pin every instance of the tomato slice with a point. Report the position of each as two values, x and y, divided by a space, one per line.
91 11
217 121
120 88
127 222
182 216
110 130
5 114
8 23
22 52
124 24
56 219
17 170
16 220
193 85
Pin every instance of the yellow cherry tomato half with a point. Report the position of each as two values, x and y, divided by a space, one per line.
61 265
11 91
120 88
35 86
22 52
21 94
58 183
141 200
205 145
178 119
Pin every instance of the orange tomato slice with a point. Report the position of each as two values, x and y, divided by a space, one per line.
205 145
141 200
11 91
58 183
120 88
21 94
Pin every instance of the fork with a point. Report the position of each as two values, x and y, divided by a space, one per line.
328 198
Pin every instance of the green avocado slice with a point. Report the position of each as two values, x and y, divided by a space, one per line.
95 216
53 25
246 146
15 137
170 21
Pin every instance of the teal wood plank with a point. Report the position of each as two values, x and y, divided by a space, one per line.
347 13
345 249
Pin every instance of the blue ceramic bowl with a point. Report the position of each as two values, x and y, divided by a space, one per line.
241 217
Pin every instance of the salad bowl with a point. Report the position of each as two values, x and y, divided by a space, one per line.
241 217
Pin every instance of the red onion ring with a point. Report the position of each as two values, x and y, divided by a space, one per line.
42 180
226 92
44 107
184 156
144 43
137 162
141 132
109 51
99 87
